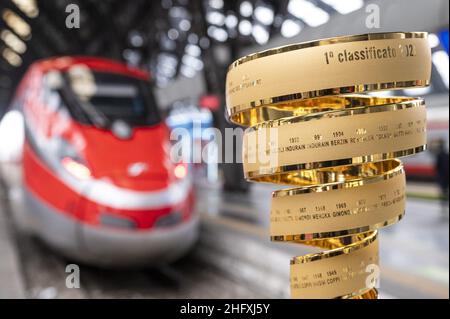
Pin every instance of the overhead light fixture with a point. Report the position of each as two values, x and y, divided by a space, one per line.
133 57
345 7
12 57
290 28
173 34
308 12
136 39
204 43
218 34
440 61
17 24
246 9
193 50
433 40
216 4
264 14
13 41
192 62
245 27
192 38
231 21
216 18
187 71
179 12
185 25
260 34
29 7
166 65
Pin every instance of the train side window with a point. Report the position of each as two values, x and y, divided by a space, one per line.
53 101
50 96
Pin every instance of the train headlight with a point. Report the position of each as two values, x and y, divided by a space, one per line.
76 168
180 171
71 161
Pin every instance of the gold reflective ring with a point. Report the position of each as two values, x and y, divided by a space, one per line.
342 216
328 41
301 71
342 269
335 138
336 150
366 201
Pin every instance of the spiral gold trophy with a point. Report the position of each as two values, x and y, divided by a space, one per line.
311 126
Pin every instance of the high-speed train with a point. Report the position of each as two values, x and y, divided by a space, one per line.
98 181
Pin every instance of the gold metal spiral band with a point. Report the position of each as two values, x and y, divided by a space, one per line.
335 150
316 106
302 71
363 198
340 272
335 138
329 41
341 216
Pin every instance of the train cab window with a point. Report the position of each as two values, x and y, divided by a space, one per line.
101 98
50 98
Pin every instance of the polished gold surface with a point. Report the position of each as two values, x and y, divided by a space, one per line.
352 135
338 272
319 107
265 81
336 150
350 204
371 194
328 41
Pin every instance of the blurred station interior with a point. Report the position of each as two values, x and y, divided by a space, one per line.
207 234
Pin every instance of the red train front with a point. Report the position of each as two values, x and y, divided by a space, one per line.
99 183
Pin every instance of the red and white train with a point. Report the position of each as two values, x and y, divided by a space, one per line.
98 181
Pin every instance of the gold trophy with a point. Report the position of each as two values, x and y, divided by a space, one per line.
312 127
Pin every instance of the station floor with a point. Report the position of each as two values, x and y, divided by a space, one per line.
234 257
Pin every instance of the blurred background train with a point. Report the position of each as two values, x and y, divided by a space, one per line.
135 208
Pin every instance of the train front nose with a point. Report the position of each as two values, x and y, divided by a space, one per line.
129 227
110 247
106 225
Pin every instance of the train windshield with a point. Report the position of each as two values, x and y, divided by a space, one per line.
101 98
